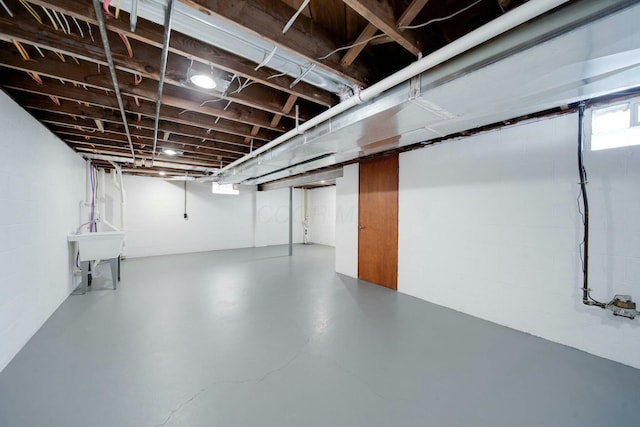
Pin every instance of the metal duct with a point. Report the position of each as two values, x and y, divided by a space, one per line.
507 77
226 36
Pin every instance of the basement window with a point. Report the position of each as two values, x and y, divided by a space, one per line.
231 189
615 126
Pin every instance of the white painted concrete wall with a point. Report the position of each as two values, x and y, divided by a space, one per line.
322 215
272 217
155 223
489 226
347 221
41 184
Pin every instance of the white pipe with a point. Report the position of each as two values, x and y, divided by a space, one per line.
108 224
114 175
117 170
87 186
502 24
102 212
120 159
102 189
123 200
81 207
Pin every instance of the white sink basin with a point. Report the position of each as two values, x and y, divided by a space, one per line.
100 245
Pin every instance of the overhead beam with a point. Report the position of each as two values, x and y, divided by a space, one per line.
358 46
188 47
302 180
266 19
203 152
285 110
143 63
145 128
189 145
107 149
170 98
116 157
370 30
382 17
188 123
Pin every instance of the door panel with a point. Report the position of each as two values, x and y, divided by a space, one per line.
378 222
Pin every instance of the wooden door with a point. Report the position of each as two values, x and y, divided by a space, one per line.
378 222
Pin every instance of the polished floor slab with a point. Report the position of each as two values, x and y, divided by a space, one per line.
252 337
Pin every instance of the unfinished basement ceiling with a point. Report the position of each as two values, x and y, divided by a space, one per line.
586 50
54 65
298 89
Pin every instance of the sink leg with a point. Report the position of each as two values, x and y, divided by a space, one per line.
113 262
84 266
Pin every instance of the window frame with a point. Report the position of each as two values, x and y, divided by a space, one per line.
633 106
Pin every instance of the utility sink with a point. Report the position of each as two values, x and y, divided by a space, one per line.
100 245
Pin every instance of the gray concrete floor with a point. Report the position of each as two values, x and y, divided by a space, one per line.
254 338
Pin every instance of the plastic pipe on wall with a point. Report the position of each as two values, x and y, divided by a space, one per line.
500 25
103 204
119 183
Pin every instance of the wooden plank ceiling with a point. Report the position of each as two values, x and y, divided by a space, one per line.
53 63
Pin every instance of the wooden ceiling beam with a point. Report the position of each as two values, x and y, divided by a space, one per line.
145 129
188 47
411 12
171 119
287 108
370 30
255 130
189 151
144 63
100 98
358 46
190 144
382 17
115 150
266 19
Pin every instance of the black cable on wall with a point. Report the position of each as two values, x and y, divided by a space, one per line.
586 296
185 200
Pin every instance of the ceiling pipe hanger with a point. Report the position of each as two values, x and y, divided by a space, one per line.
112 69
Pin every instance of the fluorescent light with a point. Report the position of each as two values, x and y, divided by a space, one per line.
169 152
205 81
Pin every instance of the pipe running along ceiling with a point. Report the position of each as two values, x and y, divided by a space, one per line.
295 72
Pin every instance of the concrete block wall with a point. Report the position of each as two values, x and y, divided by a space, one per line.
322 215
155 223
272 217
489 225
41 183
347 220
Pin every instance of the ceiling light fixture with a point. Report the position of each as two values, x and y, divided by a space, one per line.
169 152
162 173
205 81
